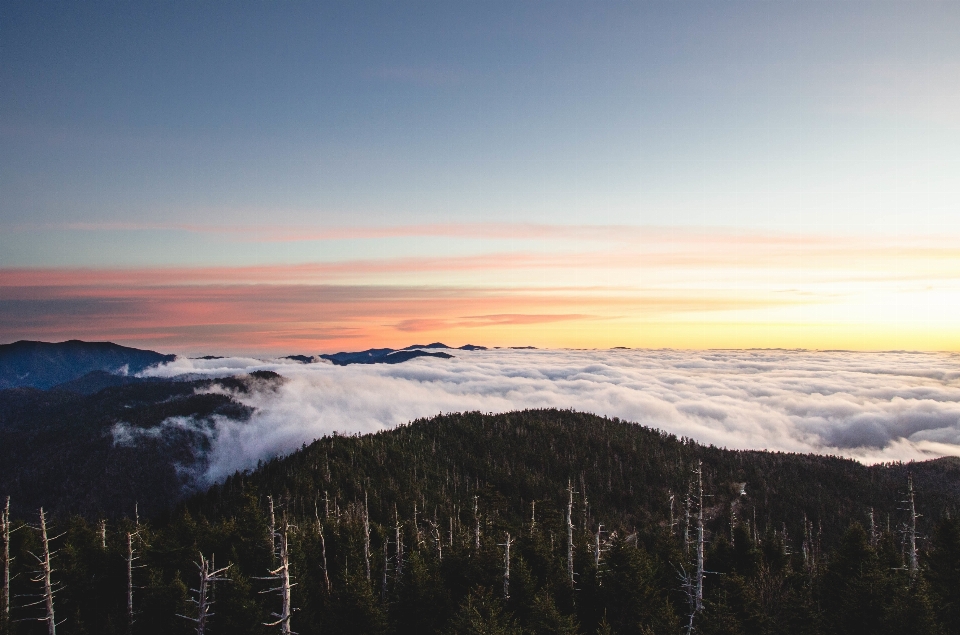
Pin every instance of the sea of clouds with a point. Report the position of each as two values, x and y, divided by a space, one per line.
870 406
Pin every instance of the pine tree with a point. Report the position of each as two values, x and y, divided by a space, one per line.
943 573
482 614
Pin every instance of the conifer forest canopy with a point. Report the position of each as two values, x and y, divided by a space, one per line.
538 521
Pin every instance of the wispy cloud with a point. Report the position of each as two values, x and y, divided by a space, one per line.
608 233
677 288
478 321
275 317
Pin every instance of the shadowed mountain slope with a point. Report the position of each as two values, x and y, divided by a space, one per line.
46 364
101 452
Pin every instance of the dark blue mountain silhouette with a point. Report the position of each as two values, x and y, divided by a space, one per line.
391 355
380 356
47 364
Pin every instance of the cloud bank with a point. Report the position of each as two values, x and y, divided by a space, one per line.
869 406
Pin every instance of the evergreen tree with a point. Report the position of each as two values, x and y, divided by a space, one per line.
943 574
634 604
482 614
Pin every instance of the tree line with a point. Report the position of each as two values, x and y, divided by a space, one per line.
529 522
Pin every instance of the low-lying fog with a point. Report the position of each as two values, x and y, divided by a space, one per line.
870 406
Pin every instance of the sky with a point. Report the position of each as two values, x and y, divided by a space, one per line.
873 407
266 178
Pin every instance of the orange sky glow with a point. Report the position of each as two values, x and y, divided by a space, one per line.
615 287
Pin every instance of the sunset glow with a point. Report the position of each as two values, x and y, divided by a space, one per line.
630 287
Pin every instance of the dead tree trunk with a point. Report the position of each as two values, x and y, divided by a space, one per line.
506 567
203 602
673 522
416 526
570 532
596 548
699 536
103 534
6 562
366 535
284 585
398 538
44 577
476 520
912 528
323 544
323 557
435 533
693 584
272 528
131 556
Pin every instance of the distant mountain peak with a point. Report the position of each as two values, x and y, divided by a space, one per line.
386 355
47 364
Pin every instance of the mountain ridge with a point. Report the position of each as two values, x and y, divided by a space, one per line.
43 365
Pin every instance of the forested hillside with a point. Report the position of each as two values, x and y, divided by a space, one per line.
527 522
103 444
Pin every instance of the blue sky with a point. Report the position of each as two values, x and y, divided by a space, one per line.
153 134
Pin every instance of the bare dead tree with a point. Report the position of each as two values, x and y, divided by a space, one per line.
811 555
910 530
130 558
5 523
733 521
366 535
700 536
873 528
435 533
202 600
323 559
476 520
693 582
586 503
416 525
570 494
398 540
44 576
673 521
284 584
506 566
103 533
599 546
272 528
533 517
323 544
